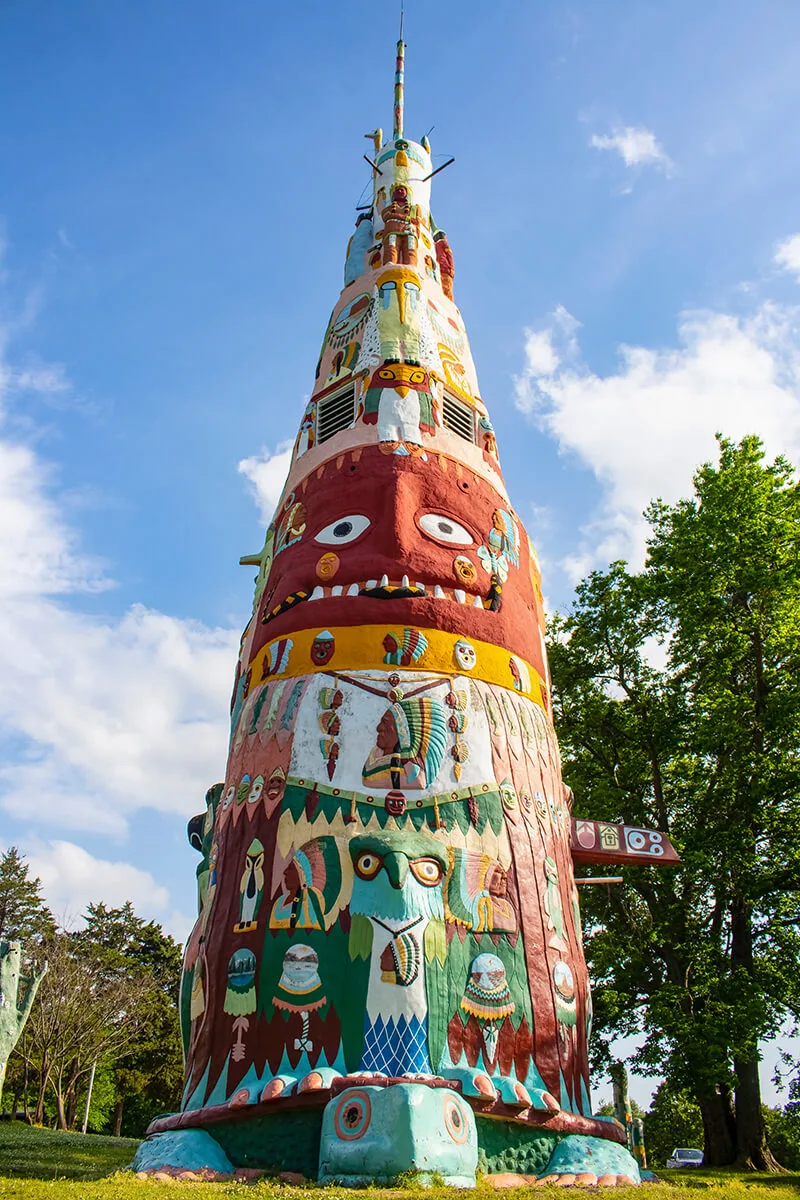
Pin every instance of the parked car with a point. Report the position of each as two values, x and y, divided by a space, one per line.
683 1157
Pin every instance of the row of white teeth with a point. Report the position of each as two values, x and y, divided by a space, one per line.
320 593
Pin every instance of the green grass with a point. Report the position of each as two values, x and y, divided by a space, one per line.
30 1153
39 1164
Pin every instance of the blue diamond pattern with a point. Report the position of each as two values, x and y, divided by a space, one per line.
396 1048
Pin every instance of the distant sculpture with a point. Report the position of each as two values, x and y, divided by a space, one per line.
17 994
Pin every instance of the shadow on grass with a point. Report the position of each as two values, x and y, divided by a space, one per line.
27 1152
702 1178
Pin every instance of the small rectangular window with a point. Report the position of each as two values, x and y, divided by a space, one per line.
335 413
458 417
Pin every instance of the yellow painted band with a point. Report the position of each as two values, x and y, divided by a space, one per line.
360 648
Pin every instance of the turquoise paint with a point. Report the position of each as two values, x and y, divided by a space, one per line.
373 1134
191 1149
576 1154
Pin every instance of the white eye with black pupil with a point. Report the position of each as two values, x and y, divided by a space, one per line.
346 529
445 529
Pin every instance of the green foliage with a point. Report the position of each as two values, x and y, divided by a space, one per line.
673 1120
783 1130
148 1079
24 916
677 703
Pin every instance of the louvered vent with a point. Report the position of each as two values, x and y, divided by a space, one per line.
458 417
335 412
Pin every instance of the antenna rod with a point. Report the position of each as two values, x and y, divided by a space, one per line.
399 78
438 169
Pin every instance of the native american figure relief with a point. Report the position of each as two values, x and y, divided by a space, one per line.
388 922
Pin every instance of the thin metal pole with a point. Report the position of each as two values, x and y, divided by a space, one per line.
89 1097
601 879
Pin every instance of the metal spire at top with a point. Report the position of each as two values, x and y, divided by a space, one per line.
399 80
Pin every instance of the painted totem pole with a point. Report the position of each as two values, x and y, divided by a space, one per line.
387 971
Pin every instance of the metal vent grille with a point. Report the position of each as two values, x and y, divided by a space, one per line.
335 413
459 418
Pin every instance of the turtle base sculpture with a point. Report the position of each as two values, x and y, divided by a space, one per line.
366 1131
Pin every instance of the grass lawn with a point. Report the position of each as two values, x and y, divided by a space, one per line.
37 1164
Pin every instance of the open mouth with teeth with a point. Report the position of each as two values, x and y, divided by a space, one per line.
383 589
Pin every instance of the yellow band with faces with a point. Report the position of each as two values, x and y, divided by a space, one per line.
340 649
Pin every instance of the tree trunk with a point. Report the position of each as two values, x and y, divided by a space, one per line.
719 1127
117 1131
38 1115
72 1104
61 1116
754 1153
72 1094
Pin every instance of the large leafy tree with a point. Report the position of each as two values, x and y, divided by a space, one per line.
677 695
148 1079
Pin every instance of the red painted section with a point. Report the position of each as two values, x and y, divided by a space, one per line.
393 492
603 842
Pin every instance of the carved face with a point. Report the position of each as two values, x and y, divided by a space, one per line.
403 377
397 526
322 649
465 655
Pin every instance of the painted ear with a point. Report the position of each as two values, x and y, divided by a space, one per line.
194 832
360 944
435 941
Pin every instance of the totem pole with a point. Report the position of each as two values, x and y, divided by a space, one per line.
17 994
387 970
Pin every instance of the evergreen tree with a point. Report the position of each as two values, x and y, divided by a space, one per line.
24 916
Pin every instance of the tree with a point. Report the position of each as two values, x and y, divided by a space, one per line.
783 1131
81 1016
706 748
673 1120
24 916
149 1078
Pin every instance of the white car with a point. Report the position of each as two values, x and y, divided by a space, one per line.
683 1157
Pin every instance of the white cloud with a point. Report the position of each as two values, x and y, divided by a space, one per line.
72 878
99 716
644 428
113 715
636 146
266 474
787 255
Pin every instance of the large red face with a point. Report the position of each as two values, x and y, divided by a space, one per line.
393 539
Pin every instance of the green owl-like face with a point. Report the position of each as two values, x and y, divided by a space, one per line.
397 875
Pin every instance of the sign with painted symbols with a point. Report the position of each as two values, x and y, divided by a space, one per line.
607 842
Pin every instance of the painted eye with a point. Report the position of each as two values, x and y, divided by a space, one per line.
445 529
386 373
346 529
427 871
367 865
417 377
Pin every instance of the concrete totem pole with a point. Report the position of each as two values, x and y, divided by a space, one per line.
386 971
17 994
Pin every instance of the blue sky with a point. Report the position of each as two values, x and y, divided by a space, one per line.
177 189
